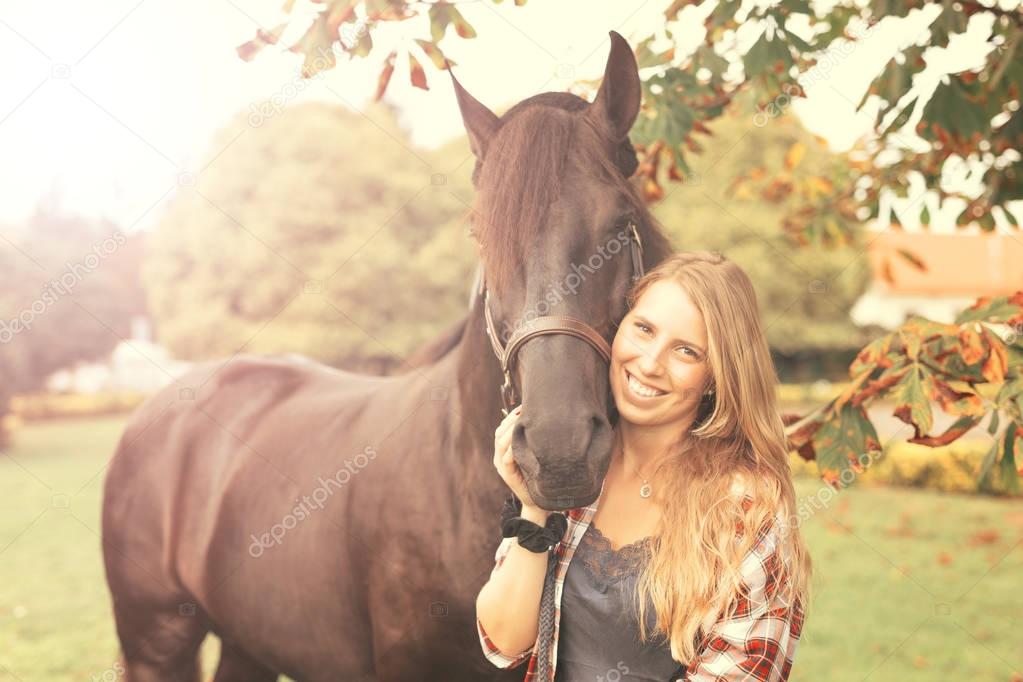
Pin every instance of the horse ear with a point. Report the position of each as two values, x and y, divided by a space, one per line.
617 103
479 121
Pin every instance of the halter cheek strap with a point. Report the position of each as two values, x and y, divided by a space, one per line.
547 324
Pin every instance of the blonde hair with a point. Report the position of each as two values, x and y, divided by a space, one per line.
737 438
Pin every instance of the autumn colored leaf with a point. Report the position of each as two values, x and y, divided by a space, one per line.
912 400
385 75
911 340
871 356
955 402
997 362
971 345
337 16
248 50
434 53
951 434
652 191
365 44
416 73
795 154
800 438
879 385
851 390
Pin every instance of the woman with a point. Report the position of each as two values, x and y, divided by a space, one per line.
687 556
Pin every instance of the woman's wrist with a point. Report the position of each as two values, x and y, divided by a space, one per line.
535 514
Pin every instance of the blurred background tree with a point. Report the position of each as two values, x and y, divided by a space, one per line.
323 232
71 287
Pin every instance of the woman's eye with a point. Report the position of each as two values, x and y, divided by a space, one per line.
642 327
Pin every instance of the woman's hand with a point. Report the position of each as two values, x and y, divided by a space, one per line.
505 463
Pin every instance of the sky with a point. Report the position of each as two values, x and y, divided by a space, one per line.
112 105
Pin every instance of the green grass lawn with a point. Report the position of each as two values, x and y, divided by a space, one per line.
910 585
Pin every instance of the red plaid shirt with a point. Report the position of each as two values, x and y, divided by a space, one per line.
757 642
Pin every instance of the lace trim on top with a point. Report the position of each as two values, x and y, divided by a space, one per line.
610 566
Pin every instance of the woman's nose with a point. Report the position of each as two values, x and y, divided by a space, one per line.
650 364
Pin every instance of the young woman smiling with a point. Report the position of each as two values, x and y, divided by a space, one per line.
692 522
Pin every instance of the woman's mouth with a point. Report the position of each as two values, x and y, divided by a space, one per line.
641 390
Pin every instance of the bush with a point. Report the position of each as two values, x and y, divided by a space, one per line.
50 405
953 468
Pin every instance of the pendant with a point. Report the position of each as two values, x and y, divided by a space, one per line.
644 490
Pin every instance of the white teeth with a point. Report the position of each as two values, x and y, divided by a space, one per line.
642 389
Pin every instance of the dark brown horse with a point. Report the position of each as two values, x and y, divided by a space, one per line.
333 526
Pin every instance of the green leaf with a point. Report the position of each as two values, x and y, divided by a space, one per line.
901 119
440 17
987 466
1007 470
364 46
912 400
990 309
992 427
755 61
844 444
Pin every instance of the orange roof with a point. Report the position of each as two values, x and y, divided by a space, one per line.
956 264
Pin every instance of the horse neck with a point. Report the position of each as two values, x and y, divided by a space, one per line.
478 386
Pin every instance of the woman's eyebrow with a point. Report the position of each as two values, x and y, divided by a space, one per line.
650 324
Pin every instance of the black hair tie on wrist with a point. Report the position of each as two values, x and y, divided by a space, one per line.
531 536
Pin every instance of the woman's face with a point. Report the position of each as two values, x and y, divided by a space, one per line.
662 344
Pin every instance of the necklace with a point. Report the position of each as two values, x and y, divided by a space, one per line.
645 490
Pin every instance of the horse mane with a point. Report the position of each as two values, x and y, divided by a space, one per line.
435 349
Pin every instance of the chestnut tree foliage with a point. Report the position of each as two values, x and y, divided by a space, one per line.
970 368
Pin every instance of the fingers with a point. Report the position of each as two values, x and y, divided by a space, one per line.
503 436
507 423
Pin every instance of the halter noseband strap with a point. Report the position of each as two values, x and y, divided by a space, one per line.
549 324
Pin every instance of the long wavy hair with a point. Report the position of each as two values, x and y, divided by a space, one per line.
726 482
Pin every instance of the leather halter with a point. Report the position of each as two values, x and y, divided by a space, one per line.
550 324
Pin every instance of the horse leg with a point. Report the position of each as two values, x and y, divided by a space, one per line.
237 666
159 644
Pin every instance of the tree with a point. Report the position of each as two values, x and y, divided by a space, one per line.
71 287
304 242
971 115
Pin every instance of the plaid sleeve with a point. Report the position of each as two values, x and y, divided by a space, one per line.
492 653
758 640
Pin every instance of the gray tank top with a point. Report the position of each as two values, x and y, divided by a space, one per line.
598 635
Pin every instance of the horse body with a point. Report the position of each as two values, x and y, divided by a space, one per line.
239 525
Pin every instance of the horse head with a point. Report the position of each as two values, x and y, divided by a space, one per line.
555 219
